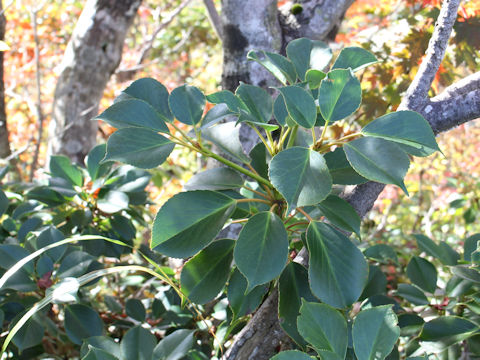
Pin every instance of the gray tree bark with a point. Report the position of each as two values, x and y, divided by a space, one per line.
4 143
93 53
262 337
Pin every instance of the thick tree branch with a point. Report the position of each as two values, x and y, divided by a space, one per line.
463 86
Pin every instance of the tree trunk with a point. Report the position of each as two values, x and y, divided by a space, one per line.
93 53
4 144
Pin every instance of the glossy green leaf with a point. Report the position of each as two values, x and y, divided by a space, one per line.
469 246
48 236
340 213
3 203
261 250
447 330
9 255
138 343
227 97
339 95
324 328
280 110
314 78
422 273
442 251
30 334
340 169
46 195
301 176
300 105
258 102
308 54
216 114
355 58
292 288
205 275
376 283
412 293
82 322
113 201
135 309
133 113
332 281
240 303
292 355
381 252
139 147
187 104
74 264
278 65
152 92
378 160
175 345
407 128
104 343
375 332
467 273
95 166
189 221
98 354
260 157
227 137
221 178
61 166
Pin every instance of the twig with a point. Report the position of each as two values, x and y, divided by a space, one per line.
214 18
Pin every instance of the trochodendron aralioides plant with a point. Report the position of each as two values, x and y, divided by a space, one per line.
282 192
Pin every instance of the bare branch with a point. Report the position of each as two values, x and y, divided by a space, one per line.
417 92
463 86
214 17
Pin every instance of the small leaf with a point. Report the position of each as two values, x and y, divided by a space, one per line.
96 168
233 103
382 252
205 275
442 252
378 160
324 328
258 102
187 103
308 54
240 303
139 147
221 178
300 105
102 343
278 65
355 58
466 273
422 273
216 114
292 355
340 213
339 95
133 113
314 78
50 236
446 330
375 332
412 294
301 176
98 354
227 137
469 246
340 169
376 283
407 128
82 322
138 343
330 280
189 221
280 110
175 345
135 309
113 201
3 203
61 166
261 250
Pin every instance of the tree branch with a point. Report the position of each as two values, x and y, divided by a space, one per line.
214 18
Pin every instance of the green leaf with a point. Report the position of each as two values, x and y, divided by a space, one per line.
278 65
300 105
314 78
292 355
442 252
205 275
46 195
381 252
422 273
139 147
308 54
133 113
227 97
446 330
324 328
227 137
174 346
82 322
375 332
339 95
216 114
240 303
95 166
407 128
189 221
61 166
292 288
258 102
280 110
376 283
152 92
260 157
331 280
221 178
3 203
301 176
469 246
261 250
50 236
113 201
466 273
340 169
355 58
20 281
104 343
138 343
378 160
135 309
340 213
187 103
30 334
74 264
98 354
413 294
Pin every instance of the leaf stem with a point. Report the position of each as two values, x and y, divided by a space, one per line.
324 131
297 224
283 136
246 200
262 138
255 191
314 137
304 213
293 136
